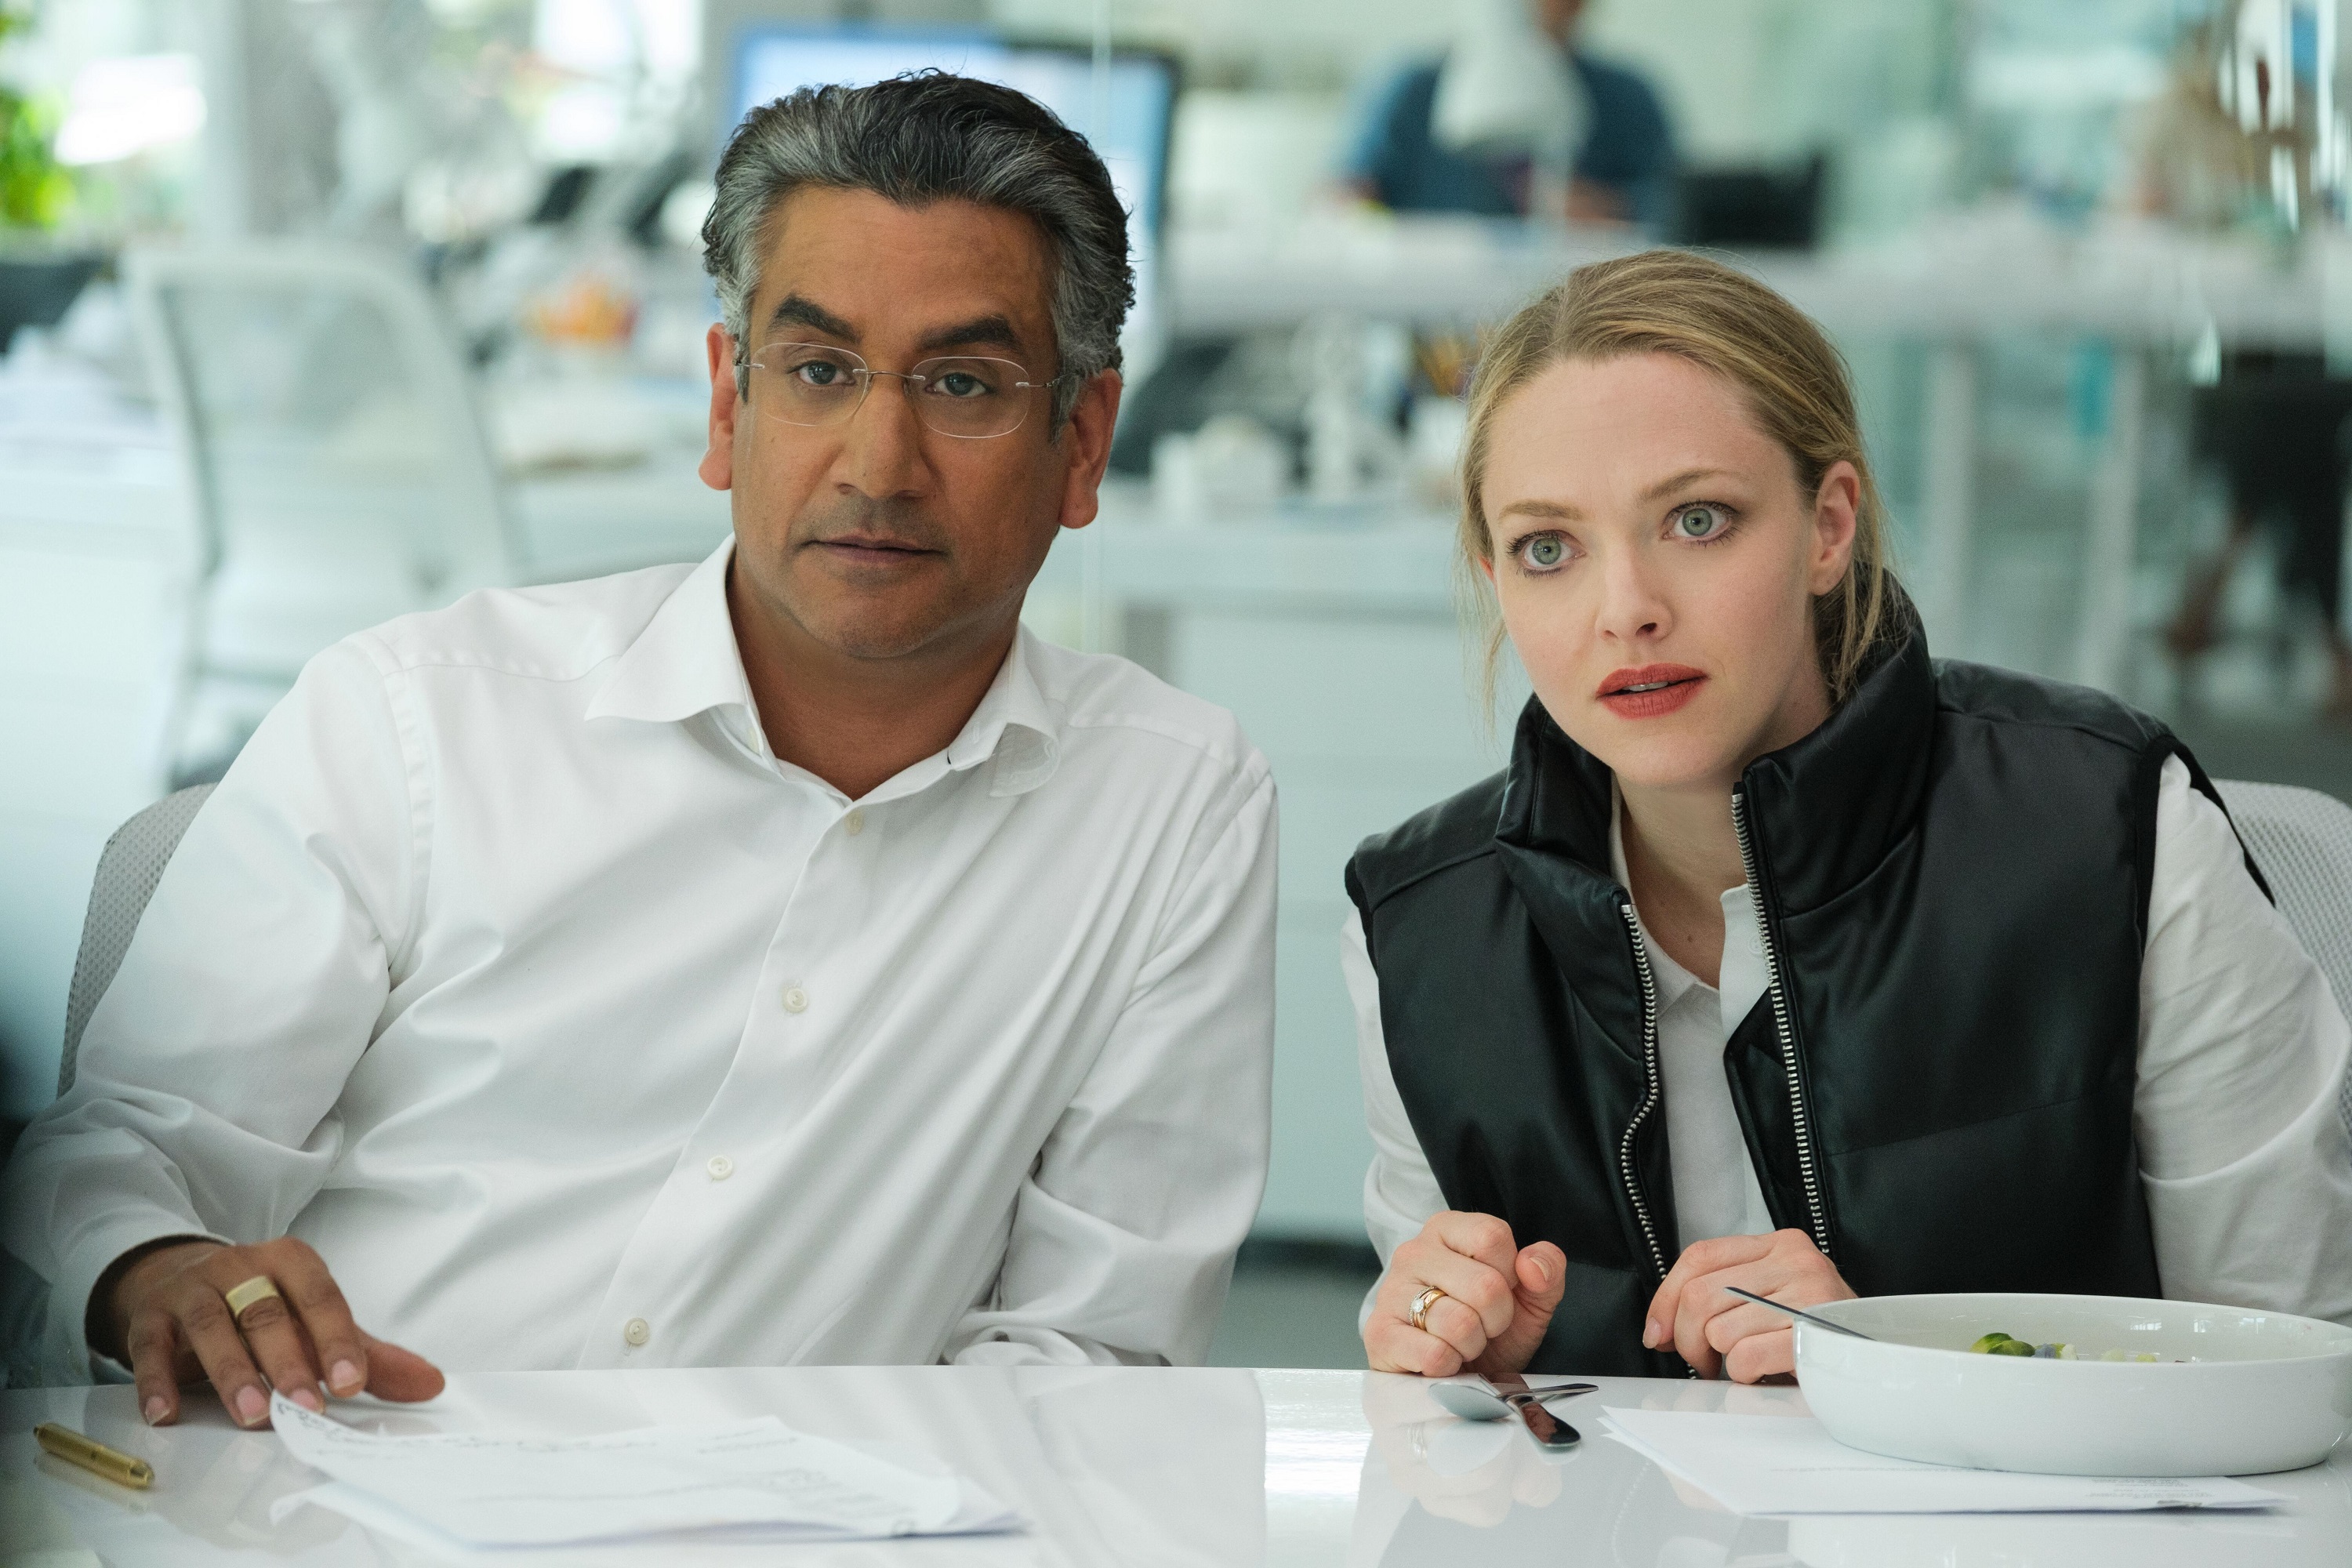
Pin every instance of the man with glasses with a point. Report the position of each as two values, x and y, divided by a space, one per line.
785 959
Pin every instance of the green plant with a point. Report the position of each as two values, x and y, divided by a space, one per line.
33 190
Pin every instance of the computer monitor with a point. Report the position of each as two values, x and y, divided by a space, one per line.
773 59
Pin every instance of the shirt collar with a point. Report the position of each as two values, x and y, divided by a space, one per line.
686 662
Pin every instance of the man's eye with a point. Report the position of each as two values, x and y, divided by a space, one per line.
960 384
1545 551
1701 522
818 372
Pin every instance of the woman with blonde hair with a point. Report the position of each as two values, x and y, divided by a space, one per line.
1781 956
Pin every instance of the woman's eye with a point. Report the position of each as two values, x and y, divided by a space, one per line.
1701 522
1544 551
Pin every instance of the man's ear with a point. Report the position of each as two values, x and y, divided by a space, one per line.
1086 439
718 465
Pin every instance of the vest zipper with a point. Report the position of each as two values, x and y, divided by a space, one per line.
1805 1167
1651 1092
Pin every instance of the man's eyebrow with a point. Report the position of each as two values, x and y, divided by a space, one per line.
992 330
795 310
1674 482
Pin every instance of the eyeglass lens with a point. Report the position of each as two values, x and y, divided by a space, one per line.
964 395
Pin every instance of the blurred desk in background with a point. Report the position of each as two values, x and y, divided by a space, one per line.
1329 629
1108 1466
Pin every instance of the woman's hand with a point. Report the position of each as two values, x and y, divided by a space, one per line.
1721 1335
1499 1300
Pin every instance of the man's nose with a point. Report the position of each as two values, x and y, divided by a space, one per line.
882 445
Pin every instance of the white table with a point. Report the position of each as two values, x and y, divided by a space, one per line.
1219 1468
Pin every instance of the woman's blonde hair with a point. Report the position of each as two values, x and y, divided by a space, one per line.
1675 302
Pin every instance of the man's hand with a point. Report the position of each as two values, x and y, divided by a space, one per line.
164 1312
1499 1300
1721 1335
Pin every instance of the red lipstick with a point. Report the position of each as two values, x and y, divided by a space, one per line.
1649 690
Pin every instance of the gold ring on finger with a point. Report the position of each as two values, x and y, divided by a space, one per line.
1423 1303
241 1298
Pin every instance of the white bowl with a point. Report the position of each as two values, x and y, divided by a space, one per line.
2262 1391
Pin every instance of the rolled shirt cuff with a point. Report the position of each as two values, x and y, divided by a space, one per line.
66 1356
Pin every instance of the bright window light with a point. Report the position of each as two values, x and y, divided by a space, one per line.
129 104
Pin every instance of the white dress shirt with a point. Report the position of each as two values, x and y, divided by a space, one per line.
508 968
2243 1154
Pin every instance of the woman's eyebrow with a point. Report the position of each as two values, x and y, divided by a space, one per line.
1674 482
1552 510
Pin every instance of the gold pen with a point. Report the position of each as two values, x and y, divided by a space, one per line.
123 1469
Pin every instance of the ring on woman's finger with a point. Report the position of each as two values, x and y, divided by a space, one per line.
243 1298
1423 1303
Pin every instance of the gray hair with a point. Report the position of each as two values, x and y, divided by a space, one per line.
920 138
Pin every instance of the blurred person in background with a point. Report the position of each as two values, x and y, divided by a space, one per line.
1516 121
1781 956
2272 421
2276 424
783 959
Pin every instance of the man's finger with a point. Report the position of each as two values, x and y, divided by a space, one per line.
273 1341
398 1374
318 1303
152 1343
220 1349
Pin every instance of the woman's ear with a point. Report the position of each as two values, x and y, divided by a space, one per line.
1837 510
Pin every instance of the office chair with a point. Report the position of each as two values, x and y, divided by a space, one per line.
128 869
2302 839
335 460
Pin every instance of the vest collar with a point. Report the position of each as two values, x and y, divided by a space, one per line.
1822 812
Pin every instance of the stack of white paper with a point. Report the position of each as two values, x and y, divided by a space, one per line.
1789 1464
470 1489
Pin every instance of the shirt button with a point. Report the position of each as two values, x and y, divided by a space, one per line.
636 1330
854 823
795 999
721 1167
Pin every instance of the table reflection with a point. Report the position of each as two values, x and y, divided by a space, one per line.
1437 1490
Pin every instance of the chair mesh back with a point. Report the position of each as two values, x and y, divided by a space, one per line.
2302 841
128 870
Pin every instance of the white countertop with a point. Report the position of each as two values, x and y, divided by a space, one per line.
1215 1467
1965 274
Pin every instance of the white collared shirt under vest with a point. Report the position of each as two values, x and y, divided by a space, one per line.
508 968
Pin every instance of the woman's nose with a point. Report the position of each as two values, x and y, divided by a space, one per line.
1633 608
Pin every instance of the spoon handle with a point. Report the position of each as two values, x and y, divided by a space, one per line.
1784 1307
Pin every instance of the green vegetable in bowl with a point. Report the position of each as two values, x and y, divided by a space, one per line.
2000 1343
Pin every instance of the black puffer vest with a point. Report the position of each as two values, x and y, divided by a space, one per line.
1954 878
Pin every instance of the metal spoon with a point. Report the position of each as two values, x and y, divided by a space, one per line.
1472 1402
1784 1307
